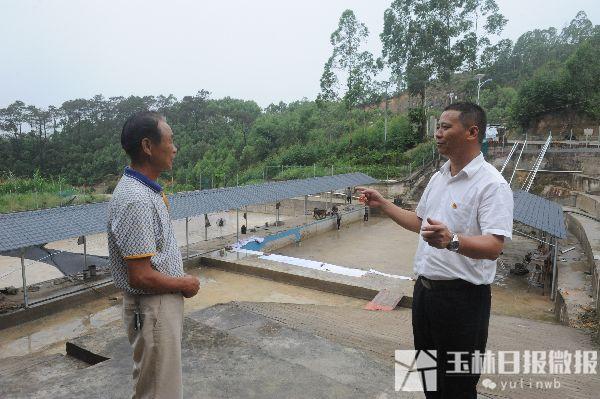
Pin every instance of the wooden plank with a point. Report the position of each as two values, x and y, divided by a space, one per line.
384 300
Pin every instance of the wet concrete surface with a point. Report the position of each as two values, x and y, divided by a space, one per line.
270 356
379 334
379 244
49 334
383 245
217 364
270 350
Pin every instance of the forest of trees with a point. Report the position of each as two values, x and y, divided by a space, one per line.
425 45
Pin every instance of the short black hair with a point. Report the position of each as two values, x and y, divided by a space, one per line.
470 114
137 127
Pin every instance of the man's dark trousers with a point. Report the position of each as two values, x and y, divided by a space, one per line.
451 316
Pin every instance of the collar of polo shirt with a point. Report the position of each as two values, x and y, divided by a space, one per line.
134 174
470 169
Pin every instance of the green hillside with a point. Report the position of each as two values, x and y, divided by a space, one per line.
227 141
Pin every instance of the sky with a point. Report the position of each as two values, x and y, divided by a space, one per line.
262 50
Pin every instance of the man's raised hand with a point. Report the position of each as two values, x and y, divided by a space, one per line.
436 234
370 197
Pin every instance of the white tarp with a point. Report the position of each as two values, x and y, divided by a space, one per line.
389 275
312 264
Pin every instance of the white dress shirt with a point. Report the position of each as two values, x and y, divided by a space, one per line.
476 201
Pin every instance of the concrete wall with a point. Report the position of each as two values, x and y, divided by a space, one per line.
296 234
586 184
390 190
589 204
578 231
588 161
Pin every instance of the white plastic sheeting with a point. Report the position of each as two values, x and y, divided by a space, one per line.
311 264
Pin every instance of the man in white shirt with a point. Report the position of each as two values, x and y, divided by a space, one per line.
463 217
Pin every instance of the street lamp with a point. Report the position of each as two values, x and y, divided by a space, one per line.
480 76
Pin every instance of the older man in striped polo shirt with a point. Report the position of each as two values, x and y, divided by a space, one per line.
145 259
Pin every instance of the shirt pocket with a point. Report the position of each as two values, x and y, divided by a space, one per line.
459 217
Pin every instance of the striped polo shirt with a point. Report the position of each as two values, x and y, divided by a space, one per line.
139 226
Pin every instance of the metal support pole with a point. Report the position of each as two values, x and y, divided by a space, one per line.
314 170
85 267
25 295
187 238
237 225
305 203
554 270
331 170
205 227
571 139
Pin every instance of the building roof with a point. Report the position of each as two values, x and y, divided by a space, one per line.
539 213
194 203
23 229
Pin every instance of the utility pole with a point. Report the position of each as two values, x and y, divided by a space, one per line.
385 124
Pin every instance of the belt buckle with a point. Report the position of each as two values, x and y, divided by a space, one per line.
426 283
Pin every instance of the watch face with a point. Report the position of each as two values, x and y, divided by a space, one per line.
453 246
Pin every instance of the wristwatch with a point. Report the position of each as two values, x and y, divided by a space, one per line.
453 244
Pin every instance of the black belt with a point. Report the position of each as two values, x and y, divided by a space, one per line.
455 284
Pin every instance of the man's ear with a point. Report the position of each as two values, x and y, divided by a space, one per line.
146 146
473 133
